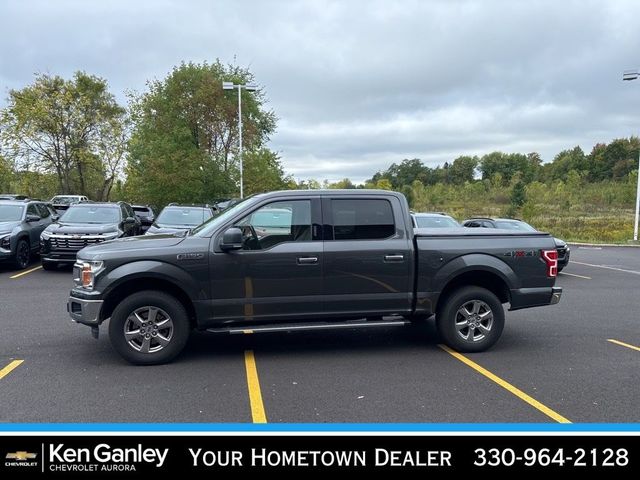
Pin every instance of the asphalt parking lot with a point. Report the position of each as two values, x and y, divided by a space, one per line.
577 362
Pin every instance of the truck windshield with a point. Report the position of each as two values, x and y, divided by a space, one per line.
517 225
91 214
10 213
184 216
64 200
436 222
210 225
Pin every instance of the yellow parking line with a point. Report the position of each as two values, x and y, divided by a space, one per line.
9 368
507 386
28 271
574 275
618 342
253 383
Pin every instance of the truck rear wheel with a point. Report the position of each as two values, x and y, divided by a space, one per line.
471 319
149 328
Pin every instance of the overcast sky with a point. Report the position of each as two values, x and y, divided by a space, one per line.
359 85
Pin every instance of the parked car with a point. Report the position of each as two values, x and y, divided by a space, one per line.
564 252
85 224
21 223
62 202
348 259
178 219
13 196
145 215
434 220
224 203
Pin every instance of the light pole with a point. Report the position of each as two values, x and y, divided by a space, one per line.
240 87
633 75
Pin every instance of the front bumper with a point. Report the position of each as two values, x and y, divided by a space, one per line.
84 309
534 297
52 257
6 255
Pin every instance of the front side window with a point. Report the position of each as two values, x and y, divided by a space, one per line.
362 219
44 211
275 223
32 210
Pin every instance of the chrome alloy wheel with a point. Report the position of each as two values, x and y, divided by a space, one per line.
474 320
148 329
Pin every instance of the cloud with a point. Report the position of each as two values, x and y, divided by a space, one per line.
359 85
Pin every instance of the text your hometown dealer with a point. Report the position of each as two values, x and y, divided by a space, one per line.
103 453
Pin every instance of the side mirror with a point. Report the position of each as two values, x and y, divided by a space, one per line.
32 218
232 239
129 220
55 218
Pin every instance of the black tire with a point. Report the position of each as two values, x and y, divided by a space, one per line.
484 330
23 254
166 305
560 268
49 265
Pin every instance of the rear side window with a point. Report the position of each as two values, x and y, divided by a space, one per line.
362 219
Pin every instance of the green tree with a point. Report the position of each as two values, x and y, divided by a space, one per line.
62 127
518 194
508 164
345 183
185 134
263 172
6 174
404 173
463 170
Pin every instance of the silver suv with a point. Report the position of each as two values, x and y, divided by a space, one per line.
21 223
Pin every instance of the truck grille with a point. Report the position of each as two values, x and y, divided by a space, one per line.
73 244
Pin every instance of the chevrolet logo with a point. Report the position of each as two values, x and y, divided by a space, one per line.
21 456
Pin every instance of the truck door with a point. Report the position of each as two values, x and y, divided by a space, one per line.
278 273
367 256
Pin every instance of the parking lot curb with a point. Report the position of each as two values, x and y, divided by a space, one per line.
581 244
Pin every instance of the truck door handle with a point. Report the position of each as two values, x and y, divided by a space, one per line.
307 260
394 258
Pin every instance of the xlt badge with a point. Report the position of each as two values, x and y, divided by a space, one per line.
189 256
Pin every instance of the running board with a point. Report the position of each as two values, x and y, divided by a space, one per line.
295 327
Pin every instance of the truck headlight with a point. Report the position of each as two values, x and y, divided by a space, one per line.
88 272
110 235
5 242
45 235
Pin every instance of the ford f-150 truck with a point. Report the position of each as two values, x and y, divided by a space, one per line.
335 259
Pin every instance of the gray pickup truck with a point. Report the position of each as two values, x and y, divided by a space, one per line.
295 260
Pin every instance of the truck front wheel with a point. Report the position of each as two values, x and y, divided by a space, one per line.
149 328
471 319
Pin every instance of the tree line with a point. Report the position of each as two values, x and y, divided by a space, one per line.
175 141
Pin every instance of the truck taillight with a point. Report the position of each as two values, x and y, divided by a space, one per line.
551 259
